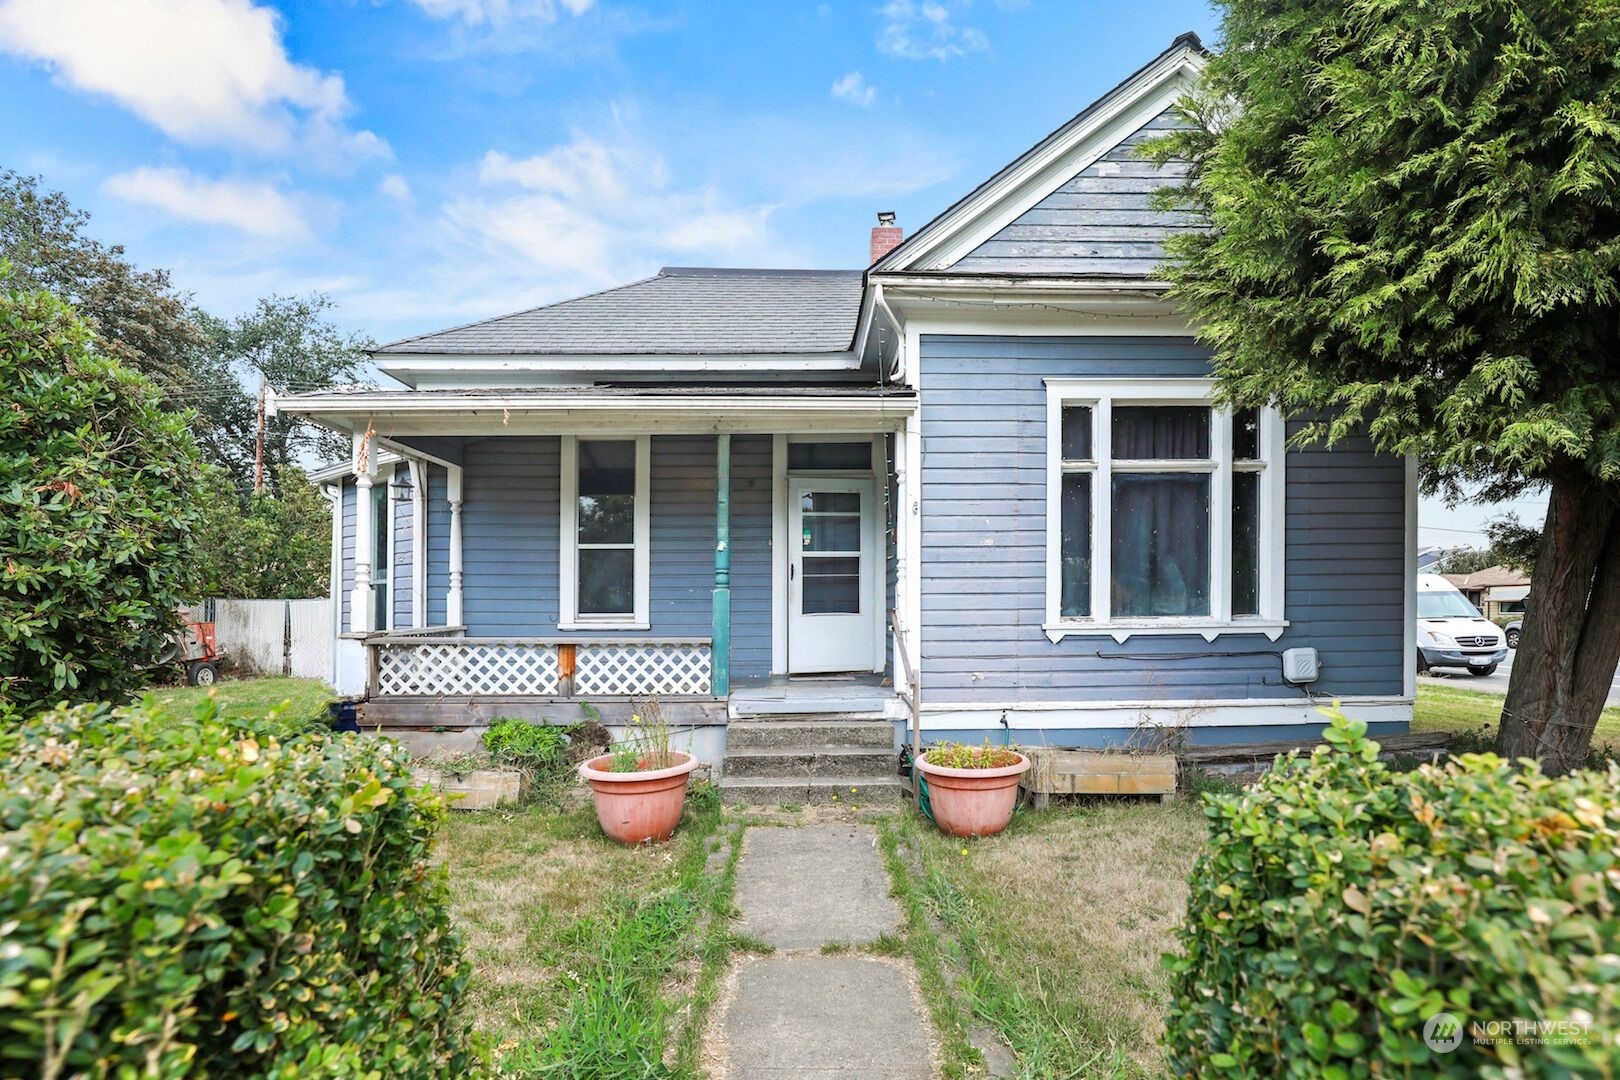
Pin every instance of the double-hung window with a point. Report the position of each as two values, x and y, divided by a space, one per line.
605 533
1164 513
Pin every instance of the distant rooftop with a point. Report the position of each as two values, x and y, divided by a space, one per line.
680 311
1489 578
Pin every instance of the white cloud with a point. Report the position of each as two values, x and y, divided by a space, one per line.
396 187
926 30
253 208
590 212
854 89
500 12
202 71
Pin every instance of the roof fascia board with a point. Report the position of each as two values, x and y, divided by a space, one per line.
396 402
944 241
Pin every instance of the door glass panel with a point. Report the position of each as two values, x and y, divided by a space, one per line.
1160 544
830 502
607 579
831 585
832 532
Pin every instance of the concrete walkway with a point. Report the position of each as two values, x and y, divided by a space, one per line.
800 1011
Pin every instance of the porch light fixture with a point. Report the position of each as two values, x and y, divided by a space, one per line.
400 485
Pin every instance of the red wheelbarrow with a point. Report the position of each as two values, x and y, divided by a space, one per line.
196 649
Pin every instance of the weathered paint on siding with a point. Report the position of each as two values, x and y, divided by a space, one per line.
1101 222
984 536
438 545
751 498
510 492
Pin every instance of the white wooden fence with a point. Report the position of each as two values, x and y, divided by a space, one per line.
273 637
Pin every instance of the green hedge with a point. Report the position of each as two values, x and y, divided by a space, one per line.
187 896
1342 904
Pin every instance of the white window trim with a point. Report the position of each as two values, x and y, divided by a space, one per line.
1101 395
568 547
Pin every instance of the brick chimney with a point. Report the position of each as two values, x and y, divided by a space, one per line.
886 236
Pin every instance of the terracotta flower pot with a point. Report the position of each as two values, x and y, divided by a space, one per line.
638 807
972 802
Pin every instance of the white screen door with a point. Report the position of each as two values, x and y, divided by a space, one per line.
831 575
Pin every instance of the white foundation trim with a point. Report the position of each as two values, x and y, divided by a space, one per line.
1249 712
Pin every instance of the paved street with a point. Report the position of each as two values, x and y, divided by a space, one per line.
1498 682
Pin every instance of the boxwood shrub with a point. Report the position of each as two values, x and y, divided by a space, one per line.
186 896
1342 904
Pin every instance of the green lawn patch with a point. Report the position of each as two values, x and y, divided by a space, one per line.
1446 708
1054 929
299 699
590 959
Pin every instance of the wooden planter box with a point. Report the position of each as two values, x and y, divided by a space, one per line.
1098 772
481 789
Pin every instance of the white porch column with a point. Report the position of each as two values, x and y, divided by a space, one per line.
902 553
365 473
452 602
911 507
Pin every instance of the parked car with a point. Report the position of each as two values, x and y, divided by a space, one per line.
1512 631
1452 633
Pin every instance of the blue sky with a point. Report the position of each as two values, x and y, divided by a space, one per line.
429 162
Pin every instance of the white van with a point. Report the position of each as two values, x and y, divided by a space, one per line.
1452 633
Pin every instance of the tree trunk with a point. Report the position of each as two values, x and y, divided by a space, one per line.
1570 643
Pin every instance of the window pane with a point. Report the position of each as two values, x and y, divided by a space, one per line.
379 530
1077 433
814 457
1174 432
1076 547
1160 544
607 581
607 519
607 468
1246 435
1245 543
831 586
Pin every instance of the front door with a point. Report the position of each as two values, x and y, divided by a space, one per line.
831 575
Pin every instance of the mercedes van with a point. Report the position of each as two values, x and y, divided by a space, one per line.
1452 633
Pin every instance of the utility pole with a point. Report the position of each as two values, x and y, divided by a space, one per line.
258 447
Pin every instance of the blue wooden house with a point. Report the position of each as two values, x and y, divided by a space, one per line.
991 458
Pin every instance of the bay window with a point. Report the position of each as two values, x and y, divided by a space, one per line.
605 533
1164 513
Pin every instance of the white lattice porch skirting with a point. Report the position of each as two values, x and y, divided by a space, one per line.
483 667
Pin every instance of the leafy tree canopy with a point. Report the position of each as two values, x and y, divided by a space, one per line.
275 547
1414 233
95 510
139 317
292 343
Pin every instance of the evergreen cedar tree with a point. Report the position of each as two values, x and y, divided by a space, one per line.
1414 235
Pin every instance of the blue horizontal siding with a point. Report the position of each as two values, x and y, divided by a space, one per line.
984 536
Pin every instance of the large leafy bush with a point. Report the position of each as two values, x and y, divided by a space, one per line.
1342 904
182 896
95 510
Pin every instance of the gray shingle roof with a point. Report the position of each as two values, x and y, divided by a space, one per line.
681 311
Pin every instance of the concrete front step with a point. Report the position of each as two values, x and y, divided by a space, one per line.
804 762
808 734
769 791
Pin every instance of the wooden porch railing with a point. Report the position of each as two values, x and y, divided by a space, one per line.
439 665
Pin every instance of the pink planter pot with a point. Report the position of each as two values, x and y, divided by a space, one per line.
972 802
638 807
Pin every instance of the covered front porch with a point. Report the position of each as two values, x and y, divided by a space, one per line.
507 554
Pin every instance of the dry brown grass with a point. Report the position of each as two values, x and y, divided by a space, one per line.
1064 919
520 880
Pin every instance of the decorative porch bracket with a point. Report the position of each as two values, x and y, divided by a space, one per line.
720 652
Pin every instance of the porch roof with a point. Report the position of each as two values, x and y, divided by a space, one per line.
625 408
